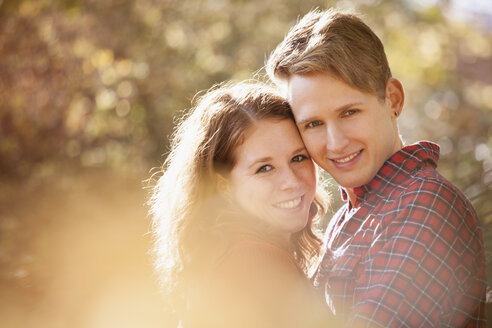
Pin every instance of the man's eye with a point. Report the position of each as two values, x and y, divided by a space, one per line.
299 158
264 168
349 112
313 124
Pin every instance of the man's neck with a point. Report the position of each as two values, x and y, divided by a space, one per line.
350 191
351 195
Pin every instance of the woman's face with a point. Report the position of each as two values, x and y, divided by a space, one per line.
273 178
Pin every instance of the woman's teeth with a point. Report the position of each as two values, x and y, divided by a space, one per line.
347 159
289 204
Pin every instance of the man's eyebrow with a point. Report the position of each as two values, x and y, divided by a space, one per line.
339 109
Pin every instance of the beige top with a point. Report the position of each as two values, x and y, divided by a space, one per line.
256 283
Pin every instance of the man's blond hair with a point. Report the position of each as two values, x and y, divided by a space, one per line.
333 42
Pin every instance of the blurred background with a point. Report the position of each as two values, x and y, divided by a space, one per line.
88 94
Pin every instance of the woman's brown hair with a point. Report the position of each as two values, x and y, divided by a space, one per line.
186 206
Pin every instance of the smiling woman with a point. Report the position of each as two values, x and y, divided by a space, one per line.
233 213
273 177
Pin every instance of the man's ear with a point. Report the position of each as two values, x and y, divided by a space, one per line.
395 96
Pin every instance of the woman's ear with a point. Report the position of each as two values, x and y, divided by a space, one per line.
222 185
395 96
313 210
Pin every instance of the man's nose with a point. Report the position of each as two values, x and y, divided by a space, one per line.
336 139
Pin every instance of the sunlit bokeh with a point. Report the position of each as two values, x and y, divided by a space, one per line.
89 91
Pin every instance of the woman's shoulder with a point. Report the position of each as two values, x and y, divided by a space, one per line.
251 252
256 283
263 277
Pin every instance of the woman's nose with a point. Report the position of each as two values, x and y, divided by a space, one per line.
289 179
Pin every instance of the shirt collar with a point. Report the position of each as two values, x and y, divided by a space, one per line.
400 165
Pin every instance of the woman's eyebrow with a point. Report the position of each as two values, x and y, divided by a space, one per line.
260 160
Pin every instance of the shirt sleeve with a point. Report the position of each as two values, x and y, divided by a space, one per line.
426 267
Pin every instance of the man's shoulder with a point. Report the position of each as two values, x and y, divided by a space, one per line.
429 183
429 197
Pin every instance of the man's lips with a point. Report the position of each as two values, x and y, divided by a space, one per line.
346 159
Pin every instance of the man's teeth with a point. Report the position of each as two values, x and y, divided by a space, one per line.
289 204
348 158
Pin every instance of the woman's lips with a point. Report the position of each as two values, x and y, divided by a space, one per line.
293 203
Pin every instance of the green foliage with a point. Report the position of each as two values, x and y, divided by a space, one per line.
87 83
99 82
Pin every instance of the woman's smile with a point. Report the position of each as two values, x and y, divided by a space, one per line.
290 204
274 182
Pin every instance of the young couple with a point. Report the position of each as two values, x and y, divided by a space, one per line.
235 206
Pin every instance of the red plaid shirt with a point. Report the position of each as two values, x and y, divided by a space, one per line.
409 252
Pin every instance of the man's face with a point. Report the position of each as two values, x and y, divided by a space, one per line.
349 133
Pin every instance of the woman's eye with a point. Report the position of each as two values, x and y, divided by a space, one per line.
313 124
264 168
299 158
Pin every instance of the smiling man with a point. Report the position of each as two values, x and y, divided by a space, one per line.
406 249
